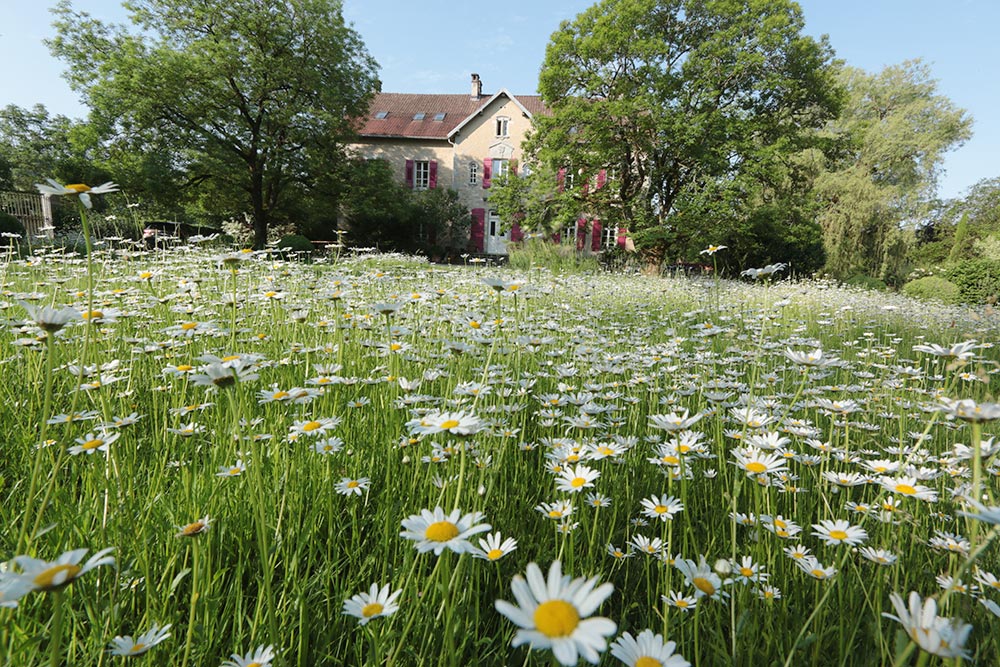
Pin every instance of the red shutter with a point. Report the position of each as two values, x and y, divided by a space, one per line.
561 179
602 178
477 233
595 242
586 185
557 238
622 236
432 180
409 173
581 233
487 172
516 234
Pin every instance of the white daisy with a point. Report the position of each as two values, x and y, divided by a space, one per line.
436 531
376 602
554 614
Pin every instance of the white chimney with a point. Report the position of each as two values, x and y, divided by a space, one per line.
477 87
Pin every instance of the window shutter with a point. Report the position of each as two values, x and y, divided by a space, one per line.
581 233
595 242
602 178
561 179
516 234
487 172
409 173
513 167
432 180
477 233
622 236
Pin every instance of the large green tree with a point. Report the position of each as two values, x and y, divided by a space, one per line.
250 99
892 134
678 98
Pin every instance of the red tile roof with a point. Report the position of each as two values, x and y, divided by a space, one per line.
400 109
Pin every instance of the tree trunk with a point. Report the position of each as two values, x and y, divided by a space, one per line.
259 210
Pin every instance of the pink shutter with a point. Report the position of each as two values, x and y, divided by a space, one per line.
432 180
602 178
409 173
561 179
586 185
595 241
581 233
516 234
622 236
487 172
557 238
477 233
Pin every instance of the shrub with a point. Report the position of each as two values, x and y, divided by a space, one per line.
865 282
933 288
294 243
978 280
10 225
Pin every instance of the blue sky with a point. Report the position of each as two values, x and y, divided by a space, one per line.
433 45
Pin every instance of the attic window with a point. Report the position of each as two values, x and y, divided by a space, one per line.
381 115
439 116
419 116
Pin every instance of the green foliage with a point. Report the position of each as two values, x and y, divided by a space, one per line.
958 247
557 257
933 288
294 243
10 225
890 140
865 281
250 100
672 99
978 280
382 213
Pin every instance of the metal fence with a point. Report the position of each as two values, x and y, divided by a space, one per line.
32 209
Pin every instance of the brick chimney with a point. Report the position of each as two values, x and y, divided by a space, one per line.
477 87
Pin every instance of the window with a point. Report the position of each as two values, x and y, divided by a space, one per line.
502 126
473 173
501 168
381 115
421 174
439 117
568 180
419 116
526 169
569 234
609 236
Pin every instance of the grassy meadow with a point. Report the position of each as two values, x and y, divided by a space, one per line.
350 461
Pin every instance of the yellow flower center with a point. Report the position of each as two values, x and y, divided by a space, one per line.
554 514
474 324
756 467
254 664
235 471
672 460
352 484
187 326
746 571
184 368
395 347
46 580
309 427
78 187
371 609
137 648
838 534
193 529
232 357
449 424
606 451
646 661
493 554
556 618
92 444
704 585
819 574
905 489
660 509
93 315
278 395
681 603
577 482
441 531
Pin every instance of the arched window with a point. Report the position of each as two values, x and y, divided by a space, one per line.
473 173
